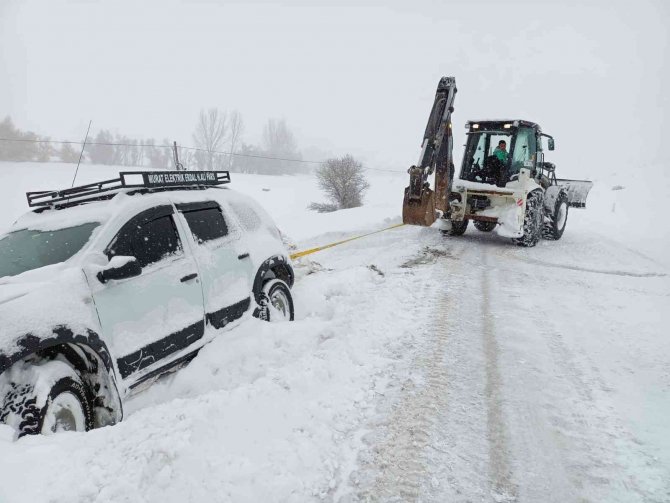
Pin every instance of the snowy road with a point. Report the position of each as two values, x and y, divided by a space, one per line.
537 375
420 368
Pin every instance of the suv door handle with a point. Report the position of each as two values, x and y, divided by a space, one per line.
189 277
243 256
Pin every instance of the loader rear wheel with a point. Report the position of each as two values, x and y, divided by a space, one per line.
532 222
457 228
484 226
555 221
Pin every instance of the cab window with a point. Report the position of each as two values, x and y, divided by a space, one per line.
525 148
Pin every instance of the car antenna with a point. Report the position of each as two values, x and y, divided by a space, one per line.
177 165
82 153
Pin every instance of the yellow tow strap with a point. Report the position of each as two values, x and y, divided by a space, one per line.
324 247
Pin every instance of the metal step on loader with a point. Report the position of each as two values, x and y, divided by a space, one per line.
504 184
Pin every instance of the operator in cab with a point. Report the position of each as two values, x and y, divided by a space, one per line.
501 151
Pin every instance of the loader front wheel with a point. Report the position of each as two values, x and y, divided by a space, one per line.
532 223
555 221
457 228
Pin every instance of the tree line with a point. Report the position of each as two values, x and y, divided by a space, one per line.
217 136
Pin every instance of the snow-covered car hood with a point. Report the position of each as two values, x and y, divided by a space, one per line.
11 291
38 301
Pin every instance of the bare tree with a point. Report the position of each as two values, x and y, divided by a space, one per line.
278 138
68 153
343 181
279 142
19 150
211 134
100 151
236 131
45 151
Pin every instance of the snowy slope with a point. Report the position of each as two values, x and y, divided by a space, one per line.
419 368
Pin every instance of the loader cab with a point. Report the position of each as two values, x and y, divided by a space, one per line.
479 161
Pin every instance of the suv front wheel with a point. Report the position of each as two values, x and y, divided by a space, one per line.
46 398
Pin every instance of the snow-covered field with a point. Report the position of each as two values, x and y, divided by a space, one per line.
420 368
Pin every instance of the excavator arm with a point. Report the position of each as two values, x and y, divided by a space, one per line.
420 201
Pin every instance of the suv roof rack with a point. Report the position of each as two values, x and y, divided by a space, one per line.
146 181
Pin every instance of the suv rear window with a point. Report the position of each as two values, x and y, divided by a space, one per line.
206 224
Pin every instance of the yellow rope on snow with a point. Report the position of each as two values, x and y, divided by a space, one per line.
325 247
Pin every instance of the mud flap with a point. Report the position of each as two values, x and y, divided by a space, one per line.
416 212
577 191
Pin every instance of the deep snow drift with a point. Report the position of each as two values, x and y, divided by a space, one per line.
419 368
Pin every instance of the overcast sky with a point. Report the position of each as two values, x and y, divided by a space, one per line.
347 76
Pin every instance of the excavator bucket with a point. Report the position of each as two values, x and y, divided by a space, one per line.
577 191
419 212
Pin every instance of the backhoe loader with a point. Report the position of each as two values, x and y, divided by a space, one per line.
515 192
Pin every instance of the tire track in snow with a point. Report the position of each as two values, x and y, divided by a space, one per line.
569 267
400 459
446 437
502 486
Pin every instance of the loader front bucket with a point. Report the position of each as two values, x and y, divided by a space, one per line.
415 212
577 191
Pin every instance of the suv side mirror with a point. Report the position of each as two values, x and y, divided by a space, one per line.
550 142
120 268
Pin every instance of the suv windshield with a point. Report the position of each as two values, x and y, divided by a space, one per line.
28 249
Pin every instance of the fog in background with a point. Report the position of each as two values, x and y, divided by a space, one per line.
353 77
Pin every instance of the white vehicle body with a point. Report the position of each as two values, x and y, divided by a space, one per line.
129 331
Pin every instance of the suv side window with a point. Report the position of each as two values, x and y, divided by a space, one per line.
246 215
205 220
149 237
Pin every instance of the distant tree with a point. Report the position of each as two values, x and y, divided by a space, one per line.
236 131
343 180
25 149
279 142
68 153
44 150
159 156
98 150
249 160
211 134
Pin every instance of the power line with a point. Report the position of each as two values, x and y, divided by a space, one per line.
197 149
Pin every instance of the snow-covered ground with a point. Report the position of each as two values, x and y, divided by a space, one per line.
420 368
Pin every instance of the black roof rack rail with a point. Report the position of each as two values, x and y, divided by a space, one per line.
146 180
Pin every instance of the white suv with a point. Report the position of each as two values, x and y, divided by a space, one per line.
107 286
